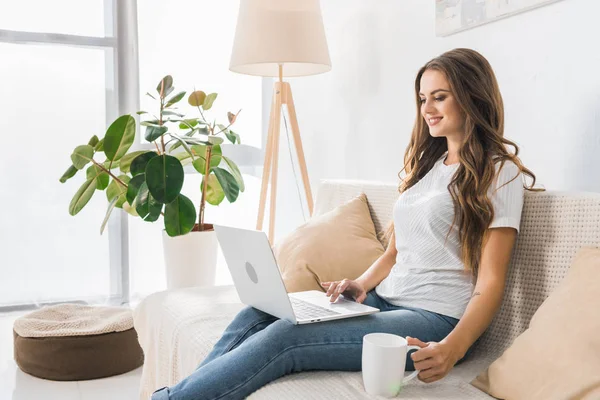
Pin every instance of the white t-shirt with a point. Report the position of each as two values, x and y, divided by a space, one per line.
427 274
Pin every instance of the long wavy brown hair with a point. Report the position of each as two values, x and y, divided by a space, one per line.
473 83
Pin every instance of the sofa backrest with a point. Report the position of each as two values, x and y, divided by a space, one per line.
554 226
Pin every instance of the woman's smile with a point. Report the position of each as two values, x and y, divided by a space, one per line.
433 121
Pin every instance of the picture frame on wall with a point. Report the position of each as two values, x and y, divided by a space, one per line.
452 16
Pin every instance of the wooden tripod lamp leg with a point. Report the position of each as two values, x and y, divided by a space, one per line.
298 145
267 165
275 151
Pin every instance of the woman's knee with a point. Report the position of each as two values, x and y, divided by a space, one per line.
250 314
280 331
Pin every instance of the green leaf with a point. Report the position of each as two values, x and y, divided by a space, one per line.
154 132
115 189
197 98
188 123
115 165
69 173
168 112
215 140
101 177
188 140
146 206
154 123
235 171
111 207
182 142
200 163
142 112
139 163
233 137
182 155
186 135
180 216
166 84
83 195
134 187
119 137
130 210
208 102
214 191
175 99
82 155
195 141
128 158
164 176
99 146
228 183
148 94
93 141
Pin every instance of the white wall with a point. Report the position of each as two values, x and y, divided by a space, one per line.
356 120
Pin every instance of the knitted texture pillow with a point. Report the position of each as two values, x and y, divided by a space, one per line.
336 245
558 356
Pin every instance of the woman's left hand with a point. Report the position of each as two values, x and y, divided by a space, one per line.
434 360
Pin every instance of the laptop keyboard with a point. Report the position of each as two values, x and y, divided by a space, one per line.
305 310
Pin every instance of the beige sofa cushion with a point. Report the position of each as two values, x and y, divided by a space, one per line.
339 244
558 356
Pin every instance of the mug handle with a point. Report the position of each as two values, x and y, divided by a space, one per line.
411 376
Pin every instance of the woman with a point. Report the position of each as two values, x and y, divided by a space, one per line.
441 279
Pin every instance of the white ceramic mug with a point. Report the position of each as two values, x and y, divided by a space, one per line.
383 363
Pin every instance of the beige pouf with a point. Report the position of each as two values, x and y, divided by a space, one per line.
71 342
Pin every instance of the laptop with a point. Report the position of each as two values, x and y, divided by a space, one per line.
259 284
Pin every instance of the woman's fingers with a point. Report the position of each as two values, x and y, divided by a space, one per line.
334 297
336 288
340 289
332 288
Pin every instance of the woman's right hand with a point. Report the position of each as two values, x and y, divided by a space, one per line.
347 287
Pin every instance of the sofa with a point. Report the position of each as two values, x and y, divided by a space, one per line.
177 328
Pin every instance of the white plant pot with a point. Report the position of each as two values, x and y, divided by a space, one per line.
191 259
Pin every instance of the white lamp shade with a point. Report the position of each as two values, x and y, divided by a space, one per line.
273 32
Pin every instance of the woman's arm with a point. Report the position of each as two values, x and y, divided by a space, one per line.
381 268
435 360
488 292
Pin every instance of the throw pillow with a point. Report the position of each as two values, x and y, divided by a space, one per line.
341 243
558 356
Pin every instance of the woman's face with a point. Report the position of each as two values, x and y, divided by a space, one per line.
439 107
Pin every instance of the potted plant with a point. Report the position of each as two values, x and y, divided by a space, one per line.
148 183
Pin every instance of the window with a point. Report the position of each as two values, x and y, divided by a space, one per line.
58 92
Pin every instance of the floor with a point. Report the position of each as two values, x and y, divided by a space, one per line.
17 385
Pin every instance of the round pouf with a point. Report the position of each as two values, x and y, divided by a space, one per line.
72 342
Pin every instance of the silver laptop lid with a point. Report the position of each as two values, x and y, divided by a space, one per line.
254 270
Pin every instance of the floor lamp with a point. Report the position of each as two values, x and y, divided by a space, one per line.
280 38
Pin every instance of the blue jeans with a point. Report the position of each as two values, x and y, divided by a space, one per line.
257 348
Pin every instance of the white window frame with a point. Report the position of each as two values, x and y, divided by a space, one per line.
119 65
